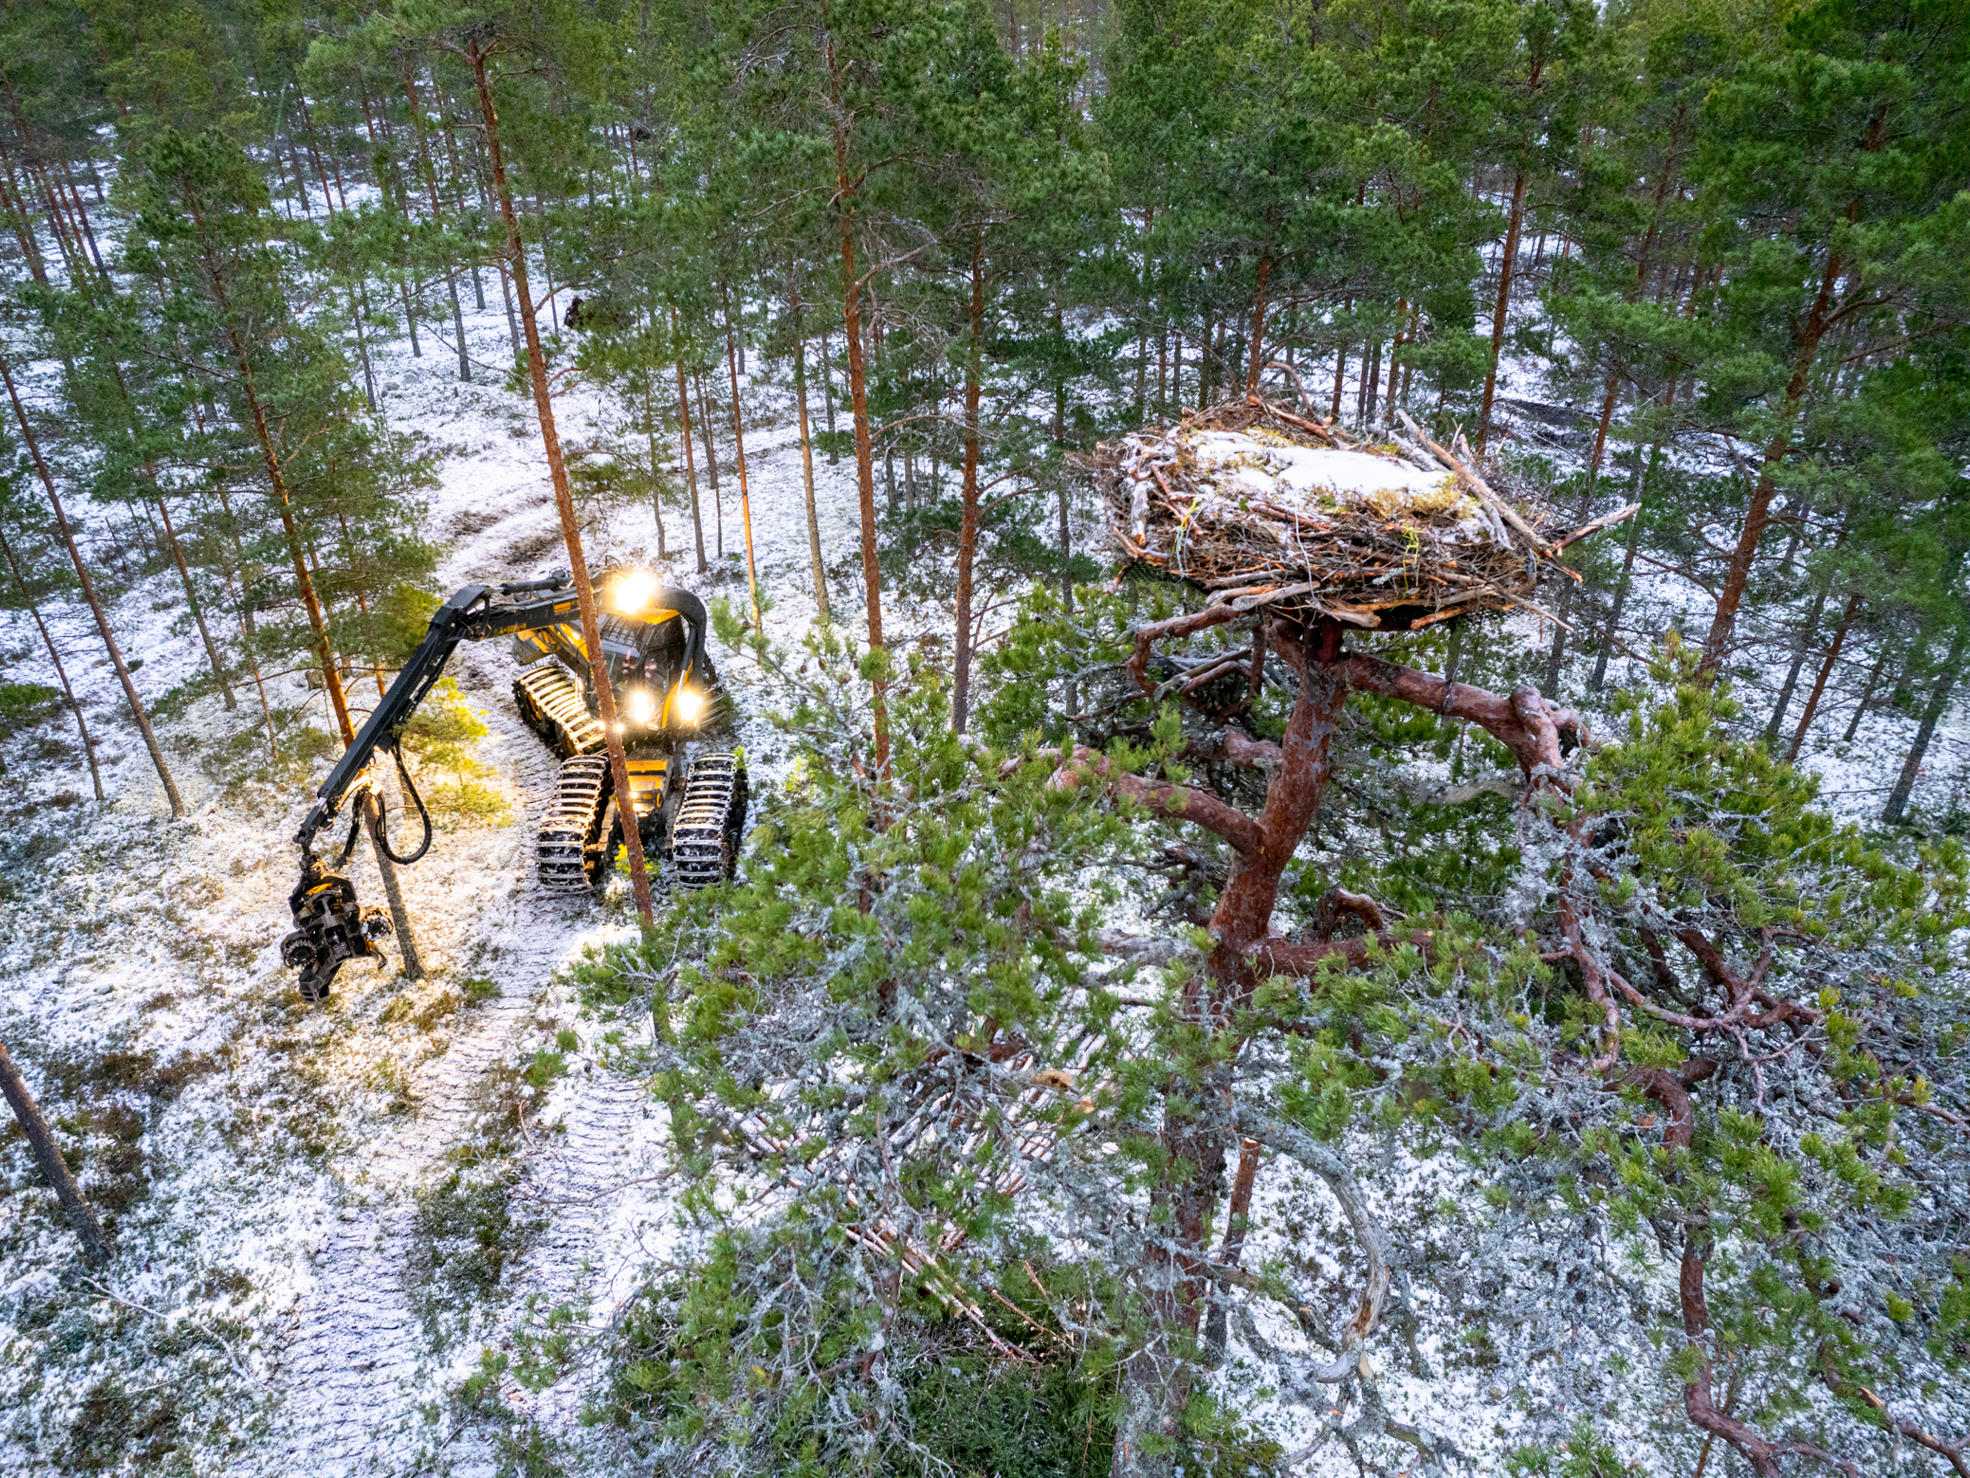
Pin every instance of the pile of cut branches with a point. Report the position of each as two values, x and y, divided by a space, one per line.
1265 508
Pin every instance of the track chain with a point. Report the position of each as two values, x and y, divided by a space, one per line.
711 818
556 707
571 849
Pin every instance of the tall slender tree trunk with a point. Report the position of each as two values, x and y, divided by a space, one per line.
1371 374
416 120
1557 656
22 220
244 617
1867 694
828 387
192 602
410 963
563 493
656 465
865 469
1258 324
1932 715
136 703
362 349
1758 513
690 462
1802 641
1625 582
807 454
81 1215
1340 372
739 450
968 496
1403 317
711 463
1498 314
55 656
1825 672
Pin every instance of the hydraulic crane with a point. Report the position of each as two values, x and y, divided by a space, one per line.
653 642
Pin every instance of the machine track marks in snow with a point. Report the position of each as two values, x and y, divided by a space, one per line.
711 819
573 845
554 706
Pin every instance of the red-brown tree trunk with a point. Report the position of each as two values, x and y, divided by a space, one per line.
865 472
1505 266
564 500
739 446
1825 672
1196 1134
807 455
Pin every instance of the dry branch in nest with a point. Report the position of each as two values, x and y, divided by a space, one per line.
1265 508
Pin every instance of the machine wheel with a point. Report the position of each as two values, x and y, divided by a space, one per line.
711 821
573 846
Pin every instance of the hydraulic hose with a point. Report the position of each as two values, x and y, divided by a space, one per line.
423 812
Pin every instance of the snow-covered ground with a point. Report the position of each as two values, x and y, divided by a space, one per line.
305 1199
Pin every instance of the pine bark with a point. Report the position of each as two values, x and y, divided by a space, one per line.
1498 314
1825 672
865 476
807 455
690 456
739 449
711 464
1195 1135
81 1215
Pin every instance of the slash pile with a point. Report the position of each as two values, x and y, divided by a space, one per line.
1266 508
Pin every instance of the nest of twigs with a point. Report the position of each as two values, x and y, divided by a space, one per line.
1264 507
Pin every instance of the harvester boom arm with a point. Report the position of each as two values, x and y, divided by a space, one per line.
473 613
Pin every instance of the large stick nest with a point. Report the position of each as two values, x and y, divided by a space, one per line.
1267 508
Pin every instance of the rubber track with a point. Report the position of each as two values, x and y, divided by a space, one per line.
549 690
704 839
569 846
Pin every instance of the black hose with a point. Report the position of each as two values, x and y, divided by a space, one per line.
410 788
355 830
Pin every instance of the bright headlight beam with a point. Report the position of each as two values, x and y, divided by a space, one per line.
641 704
688 705
631 592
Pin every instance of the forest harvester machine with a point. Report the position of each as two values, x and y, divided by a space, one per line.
689 800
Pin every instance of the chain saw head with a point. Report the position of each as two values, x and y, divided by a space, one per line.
330 927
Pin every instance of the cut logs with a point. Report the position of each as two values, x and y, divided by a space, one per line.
1263 507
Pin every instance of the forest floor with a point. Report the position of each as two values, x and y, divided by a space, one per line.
384 1235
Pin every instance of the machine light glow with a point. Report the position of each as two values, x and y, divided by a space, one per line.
688 704
631 592
641 704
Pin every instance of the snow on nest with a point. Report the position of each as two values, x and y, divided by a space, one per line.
1239 467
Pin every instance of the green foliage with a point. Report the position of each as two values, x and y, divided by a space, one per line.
444 735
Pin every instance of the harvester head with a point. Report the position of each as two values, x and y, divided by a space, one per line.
330 927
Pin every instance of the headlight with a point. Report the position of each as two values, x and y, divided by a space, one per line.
641 705
631 592
688 705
